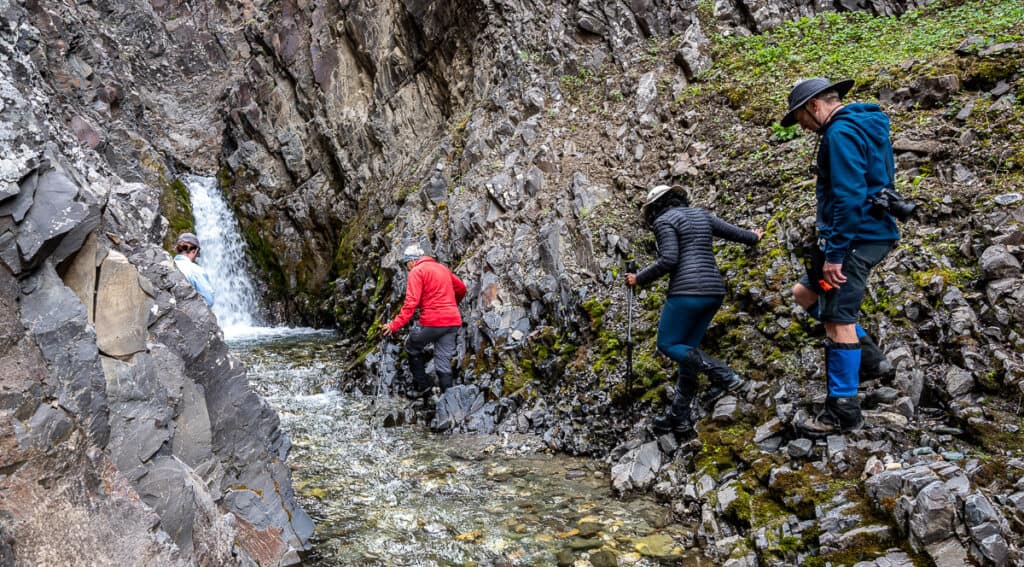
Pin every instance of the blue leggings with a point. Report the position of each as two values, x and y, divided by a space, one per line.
684 320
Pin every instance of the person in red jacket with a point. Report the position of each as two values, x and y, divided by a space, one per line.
436 291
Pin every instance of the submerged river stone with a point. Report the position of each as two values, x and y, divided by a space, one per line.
660 546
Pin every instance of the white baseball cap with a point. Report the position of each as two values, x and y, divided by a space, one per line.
412 252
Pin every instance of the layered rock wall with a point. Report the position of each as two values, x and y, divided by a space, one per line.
130 435
514 140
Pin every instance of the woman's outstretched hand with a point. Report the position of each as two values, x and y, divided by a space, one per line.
759 232
631 280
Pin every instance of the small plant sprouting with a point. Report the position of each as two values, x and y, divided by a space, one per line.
783 133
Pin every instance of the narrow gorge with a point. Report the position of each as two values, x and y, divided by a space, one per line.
308 142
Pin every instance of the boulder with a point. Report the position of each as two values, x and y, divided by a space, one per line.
957 382
799 448
933 514
646 92
692 55
767 429
181 501
997 263
57 321
139 413
890 559
47 427
193 436
80 275
726 410
435 190
948 553
455 406
534 181
925 147
884 487
585 195
930 92
122 308
637 468
533 99
19 206
985 525
55 213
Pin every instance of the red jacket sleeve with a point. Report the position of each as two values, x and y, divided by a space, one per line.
413 289
458 286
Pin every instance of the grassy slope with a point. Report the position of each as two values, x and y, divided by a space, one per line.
754 71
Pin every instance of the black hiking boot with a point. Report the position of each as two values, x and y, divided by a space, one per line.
679 419
841 415
723 379
444 381
873 363
680 424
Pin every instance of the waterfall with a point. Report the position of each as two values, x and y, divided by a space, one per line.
222 255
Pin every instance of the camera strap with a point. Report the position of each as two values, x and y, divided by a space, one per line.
891 167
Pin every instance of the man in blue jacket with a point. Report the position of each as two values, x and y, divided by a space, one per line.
854 163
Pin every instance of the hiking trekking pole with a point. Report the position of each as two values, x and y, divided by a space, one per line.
630 269
383 351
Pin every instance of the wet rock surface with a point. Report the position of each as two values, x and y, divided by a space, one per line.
108 355
514 141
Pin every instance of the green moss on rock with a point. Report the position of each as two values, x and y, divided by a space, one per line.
176 205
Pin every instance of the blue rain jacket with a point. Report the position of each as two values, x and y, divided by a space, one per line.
855 162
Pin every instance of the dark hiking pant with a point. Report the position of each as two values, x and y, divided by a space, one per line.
443 339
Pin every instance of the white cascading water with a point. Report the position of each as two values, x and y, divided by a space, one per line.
222 255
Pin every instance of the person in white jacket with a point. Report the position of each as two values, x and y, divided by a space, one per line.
187 250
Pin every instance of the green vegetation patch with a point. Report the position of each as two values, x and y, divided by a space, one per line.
993 437
176 205
755 72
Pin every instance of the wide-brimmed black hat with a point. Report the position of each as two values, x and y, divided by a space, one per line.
806 90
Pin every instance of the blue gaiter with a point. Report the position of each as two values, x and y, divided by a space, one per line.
842 365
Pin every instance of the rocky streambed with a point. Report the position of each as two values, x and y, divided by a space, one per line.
406 496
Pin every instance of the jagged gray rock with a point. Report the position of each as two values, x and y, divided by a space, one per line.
84 436
57 321
458 404
997 263
637 469
932 515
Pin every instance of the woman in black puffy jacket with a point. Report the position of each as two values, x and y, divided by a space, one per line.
695 291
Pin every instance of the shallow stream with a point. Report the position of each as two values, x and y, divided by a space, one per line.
406 496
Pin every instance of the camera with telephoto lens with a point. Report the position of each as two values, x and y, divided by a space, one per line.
889 201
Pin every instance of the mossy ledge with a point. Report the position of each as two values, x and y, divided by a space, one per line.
176 206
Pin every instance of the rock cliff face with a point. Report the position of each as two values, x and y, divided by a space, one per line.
514 140
129 435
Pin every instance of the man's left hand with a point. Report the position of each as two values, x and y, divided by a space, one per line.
833 274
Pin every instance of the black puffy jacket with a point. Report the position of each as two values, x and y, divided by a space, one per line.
684 249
